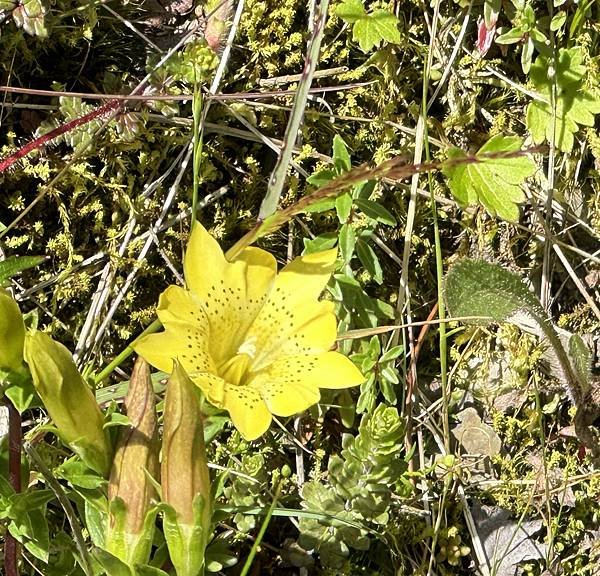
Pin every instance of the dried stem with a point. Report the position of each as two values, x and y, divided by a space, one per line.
7 162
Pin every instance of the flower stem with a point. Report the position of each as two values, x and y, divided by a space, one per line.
15 441
126 353
261 532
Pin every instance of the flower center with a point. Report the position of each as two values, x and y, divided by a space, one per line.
234 369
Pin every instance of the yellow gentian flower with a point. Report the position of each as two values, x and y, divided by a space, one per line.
256 342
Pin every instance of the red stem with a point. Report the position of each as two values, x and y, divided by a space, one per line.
7 162
15 442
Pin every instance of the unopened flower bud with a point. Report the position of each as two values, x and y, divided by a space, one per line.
12 333
130 527
185 478
68 399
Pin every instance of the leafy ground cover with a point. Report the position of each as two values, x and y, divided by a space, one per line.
448 152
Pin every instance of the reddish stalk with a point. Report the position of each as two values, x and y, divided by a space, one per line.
7 162
15 442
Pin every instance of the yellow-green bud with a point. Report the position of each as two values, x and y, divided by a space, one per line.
12 333
185 478
130 527
68 399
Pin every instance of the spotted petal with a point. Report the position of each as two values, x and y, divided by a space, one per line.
231 293
185 337
291 384
248 412
308 329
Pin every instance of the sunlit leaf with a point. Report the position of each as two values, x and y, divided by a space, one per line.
493 182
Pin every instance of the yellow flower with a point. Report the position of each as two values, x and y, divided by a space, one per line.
256 342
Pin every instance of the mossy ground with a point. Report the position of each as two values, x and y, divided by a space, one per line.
88 200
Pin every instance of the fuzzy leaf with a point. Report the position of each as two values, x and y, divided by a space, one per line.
580 357
479 288
494 182
575 105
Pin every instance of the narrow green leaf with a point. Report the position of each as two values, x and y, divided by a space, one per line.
347 242
13 265
392 354
341 157
343 207
375 210
321 242
369 260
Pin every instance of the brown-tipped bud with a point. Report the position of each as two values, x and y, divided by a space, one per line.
184 469
68 399
12 333
131 489
185 479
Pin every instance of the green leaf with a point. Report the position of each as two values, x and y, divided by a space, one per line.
30 16
112 565
558 21
575 104
369 260
486 290
375 211
494 182
369 30
341 157
16 264
343 207
21 394
322 242
392 354
581 359
351 11
39 539
347 242
321 177
373 28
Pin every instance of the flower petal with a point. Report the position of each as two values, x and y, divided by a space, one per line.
231 293
305 277
185 337
248 412
291 384
212 386
203 260
309 329
283 323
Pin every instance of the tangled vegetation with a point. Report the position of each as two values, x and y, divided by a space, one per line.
448 151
